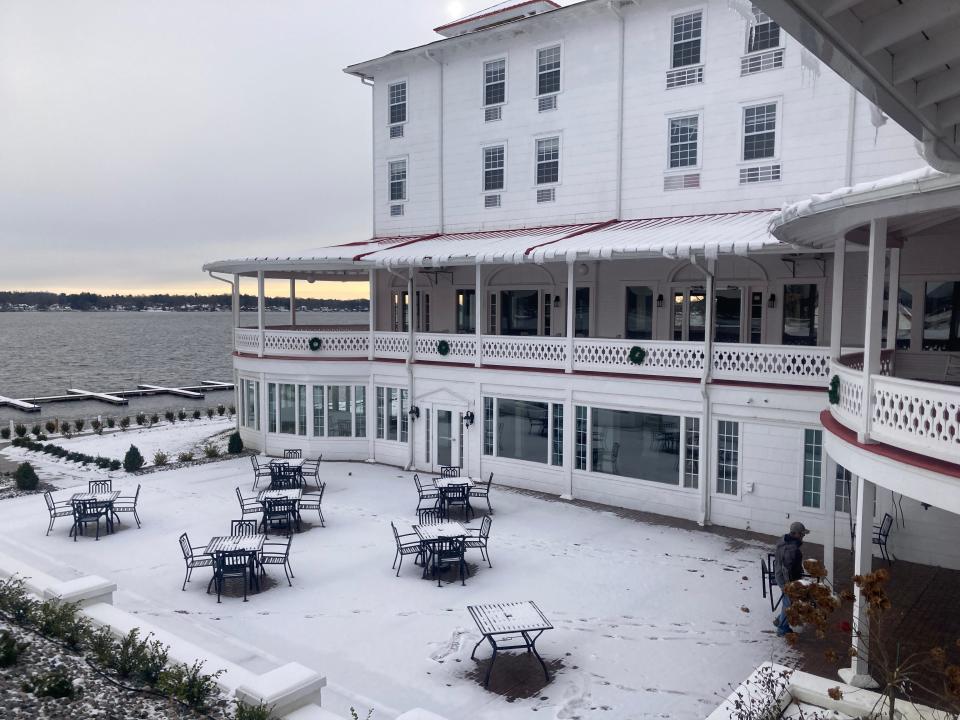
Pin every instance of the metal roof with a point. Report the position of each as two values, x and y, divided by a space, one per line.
903 55
500 12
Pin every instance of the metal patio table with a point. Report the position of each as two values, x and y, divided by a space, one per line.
502 623
251 544
106 499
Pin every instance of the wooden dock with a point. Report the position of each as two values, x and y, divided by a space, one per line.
119 397
103 397
182 392
19 404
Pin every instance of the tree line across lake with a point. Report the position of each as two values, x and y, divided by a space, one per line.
87 301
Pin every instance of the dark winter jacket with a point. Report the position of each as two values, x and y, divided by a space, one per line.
789 560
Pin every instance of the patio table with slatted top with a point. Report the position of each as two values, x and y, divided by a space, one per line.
292 462
228 543
438 530
103 497
512 622
442 482
287 494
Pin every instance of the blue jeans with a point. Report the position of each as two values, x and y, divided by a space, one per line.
783 626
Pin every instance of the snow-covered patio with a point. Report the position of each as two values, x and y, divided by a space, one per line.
650 620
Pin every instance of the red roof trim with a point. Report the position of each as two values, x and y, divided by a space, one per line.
361 256
472 18
581 231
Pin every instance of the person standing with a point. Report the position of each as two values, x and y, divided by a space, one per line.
789 567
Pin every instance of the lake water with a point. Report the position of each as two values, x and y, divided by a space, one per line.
44 353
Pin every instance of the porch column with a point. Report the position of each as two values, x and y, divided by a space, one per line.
874 314
836 306
571 295
858 673
372 319
293 301
260 311
478 316
893 299
235 301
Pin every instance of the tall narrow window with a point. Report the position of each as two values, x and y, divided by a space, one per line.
404 417
580 449
812 467
548 70
301 409
488 426
556 444
691 449
495 82
400 307
841 500
639 313
764 32
548 160
493 164
727 310
381 423
492 315
687 33
756 317
272 406
684 134
318 407
339 411
941 316
581 312
547 314
427 430
398 102
466 311
393 413
801 314
360 410
728 456
398 180
760 131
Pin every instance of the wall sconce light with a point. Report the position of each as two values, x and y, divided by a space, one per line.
772 300
468 418
556 301
659 301
413 412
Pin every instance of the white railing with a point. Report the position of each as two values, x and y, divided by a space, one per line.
540 352
849 409
296 343
855 361
792 364
460 348
678 359
919 416
391 345
247 340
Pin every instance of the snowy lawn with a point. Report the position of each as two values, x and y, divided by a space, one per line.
648 618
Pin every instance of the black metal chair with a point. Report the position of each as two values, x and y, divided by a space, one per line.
62 508
430 516
86 512
478 538
277 511
768 580
483 491
259 471
449 471
456 496
278 556
231 564
243 527
285 477
191 559
405 547
425 493
127 504
311 501
446 552
880 534
311 469
293 454
249 506
100 486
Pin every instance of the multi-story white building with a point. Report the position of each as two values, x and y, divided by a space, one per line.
573 281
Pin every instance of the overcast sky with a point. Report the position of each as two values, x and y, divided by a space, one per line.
141 138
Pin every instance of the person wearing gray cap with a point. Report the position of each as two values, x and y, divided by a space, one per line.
789 562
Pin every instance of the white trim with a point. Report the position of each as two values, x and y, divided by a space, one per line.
506 79
536 68
823 472
777 132
406 179
548 136
715 458
406 102
702 9
683 169
483 174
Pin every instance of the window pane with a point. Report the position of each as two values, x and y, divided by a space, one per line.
556 454
728 315
548 160
488 426
581 312
339 413
381 425
756 317
272 406
518 312
841 500
393 413
639 313
580 450
683 141
759 131
548 70
904 318
495 82
466 311
301 409
398 180
398 102
801 315
691 463
288 408
728 456
318 405
493 164
686 39
360 410
638 445
764 33
812 464
404 418
940 316
522 430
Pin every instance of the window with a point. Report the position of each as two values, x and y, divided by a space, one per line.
689 314
727 309
522 430
639 445
251 404
801 314
492 315
581 312
728 456
548 314
519 312
687 32
397 93
318 414
427 431
684 134
339 411
381 424
488 426
288 409
466 311
495 82
548 70
841 500
756 317
392 418
398 180
360 410
556 436
400 310
548 160
639 313
580 440
941 316
691 453
812 467
760 131
301 409
493 164
404 415
272 407
904 317
764 32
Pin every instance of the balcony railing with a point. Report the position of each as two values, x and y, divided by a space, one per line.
784 364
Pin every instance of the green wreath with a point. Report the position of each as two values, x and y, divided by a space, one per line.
314 343
443 348
834 392
637 355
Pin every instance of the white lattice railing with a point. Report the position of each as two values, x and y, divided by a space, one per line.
793 364
461 348
849 409
854 361
680 359
295 343
246 340
391 344
525 351
919 416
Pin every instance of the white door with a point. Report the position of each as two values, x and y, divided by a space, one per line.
446 436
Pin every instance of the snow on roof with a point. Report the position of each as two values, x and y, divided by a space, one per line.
500 12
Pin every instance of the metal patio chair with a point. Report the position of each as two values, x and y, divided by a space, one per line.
86 512
259 471
311 501
191 559
277 511
425 493
448 552
249 506
456 496
768 580
880 534
127 504
293 454
231 564
100 486
478 537
449 471
278 554
405 547
243 527
62 508
311 469
483 491
430 516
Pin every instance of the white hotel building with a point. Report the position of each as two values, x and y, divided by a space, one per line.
582 282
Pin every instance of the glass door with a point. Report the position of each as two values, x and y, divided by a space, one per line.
689 314
446 449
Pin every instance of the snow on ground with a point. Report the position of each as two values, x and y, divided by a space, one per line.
648 619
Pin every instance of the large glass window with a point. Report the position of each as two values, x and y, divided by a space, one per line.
339 411
645 446
301 409
687 30
392 418
639 313
812 467
728 315
728 456
581 313
519 312
495 82
904 317
398 180
556 436
522 430
548 160
360 410
941 316
397 93
488 426
691 453
400 310
548 70
764 32
689 314
466 311
801 314
493 165
251 404
841 499
580 448
760 131
318 414
684 134
272 407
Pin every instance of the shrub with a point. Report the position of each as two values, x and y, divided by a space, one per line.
211 451
140 418
115 464
235 444
196 414
111 422
63 621
143 659
189 684
181 415
221 409
51 426
252 712
57 683
96 426
160 458
102 462
20 430
10 649
80 423
36 429
25 477
154 419
41 436
170 416
15 602
210 412
133 460
124 422
5 433
185 457
232 410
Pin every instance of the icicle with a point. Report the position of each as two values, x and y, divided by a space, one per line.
809 67
878 119
743 8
